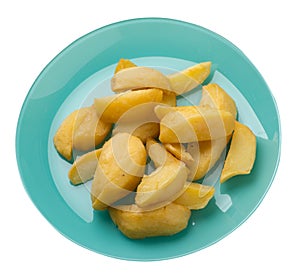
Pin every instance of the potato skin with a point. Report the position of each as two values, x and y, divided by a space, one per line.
135 223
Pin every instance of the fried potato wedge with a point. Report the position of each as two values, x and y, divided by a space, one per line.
81 130
139 77
112 108
84 167
120 168
195 196
123 64
205 155
136 223
179 151
189 123
241 154
217 98
189 78
162 186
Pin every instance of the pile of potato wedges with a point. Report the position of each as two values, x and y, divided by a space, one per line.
182 143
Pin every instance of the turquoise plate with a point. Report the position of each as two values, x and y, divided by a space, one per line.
81 72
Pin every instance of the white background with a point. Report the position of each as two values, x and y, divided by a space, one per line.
33 32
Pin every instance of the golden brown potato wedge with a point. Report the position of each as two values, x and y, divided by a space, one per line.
112 108
119 171
81 130
217 98
84 167
195 196
162 186
136 223
139 77
205 155
241 154
189 78
190 123
124 63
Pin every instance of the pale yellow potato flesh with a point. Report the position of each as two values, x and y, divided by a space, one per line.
190 123
139 121
205 155
189 78
163 110
84 167
162 186
216 97
124 63
112 108
191 196
89 130
195 196
179 151
241 154
135 223
139 77
81 130
158 153
120 168
143 131
169 97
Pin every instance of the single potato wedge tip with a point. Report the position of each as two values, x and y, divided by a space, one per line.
189 78
84 167
216 97
195 196
124 63
242 152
